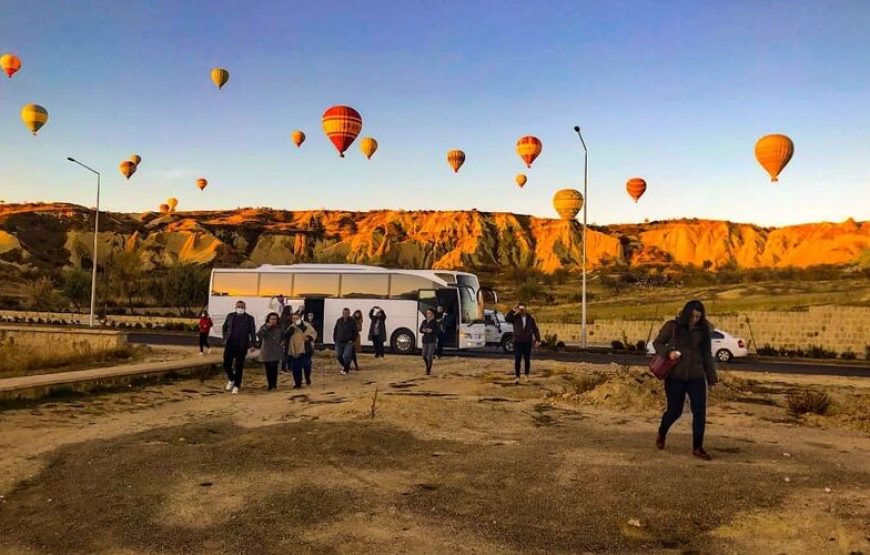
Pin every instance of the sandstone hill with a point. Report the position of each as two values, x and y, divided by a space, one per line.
47 237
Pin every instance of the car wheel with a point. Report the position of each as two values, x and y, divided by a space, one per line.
507 343
403 342
724 355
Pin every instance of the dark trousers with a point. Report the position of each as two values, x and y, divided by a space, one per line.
353 358
203 341
522 351
234 363
675 391
378 342
285 361
428 354
300 365
272 374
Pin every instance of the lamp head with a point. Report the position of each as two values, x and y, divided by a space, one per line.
577 128
70 158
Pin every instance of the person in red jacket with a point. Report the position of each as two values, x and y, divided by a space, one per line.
205 325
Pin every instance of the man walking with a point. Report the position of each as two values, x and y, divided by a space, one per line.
343 336
525 334
240 335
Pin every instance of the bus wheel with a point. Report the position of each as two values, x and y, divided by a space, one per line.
403 341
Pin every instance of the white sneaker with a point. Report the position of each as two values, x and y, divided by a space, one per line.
235 391
525 379
202 354
229 386
208 350
344 372
517 381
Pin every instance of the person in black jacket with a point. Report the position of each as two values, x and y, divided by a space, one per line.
343 335
687 339
378 330
430 328
525 334
240 335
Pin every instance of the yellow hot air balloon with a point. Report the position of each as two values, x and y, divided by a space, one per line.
127 168
521 180
136 159
298 138
202 183
455 158
636 187
10 64
368 146
219 77
164 208
529 148
34 117
172 202
773 152
567 203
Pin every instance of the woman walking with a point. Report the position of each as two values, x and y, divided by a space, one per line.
687 341
205 325
430 328
300 340
271 337
378 330
357 339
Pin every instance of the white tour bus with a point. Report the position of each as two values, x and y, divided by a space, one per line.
325 289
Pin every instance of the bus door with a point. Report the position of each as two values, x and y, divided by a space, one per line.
449 299
315 307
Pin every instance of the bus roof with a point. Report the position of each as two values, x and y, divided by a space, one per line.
361 268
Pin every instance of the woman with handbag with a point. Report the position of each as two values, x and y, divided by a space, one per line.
687 366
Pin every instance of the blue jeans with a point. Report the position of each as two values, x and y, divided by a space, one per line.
675 391
344 354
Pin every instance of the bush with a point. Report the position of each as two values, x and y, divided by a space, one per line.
617 345
767 350
809 402
640 346
848 355
551 341
817 351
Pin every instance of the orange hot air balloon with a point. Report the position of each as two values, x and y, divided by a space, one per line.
521 180
164 208
136 159
298 138
220 76
10 64
529 148
341 124
773 152
455 158
202 183
127 168
636 187
172 202
368 146
567 203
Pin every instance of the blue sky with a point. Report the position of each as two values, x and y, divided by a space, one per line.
676 92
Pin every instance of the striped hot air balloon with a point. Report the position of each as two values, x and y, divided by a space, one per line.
636 187
368 146
298 138
34 117
202 183
341 124
773 152
521 180
567 203
10 64
455 158
219 77
127 168
136 159
529 148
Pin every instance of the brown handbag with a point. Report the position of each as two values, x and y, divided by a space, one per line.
661 366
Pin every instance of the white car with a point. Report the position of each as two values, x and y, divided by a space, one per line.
725 346
498 332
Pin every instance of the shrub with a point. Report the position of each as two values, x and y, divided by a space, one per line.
640 346
817 351
848 355
586 382
550 341
809 402
767 350
866 352
617 345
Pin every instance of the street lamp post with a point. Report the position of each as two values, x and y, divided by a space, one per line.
585 203
96 231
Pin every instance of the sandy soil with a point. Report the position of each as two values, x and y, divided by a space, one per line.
462 461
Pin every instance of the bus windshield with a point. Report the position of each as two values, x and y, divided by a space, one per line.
468 286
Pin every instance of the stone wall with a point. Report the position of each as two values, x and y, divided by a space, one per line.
62 341
111 320
837 328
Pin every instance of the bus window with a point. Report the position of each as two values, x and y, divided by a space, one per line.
272 285
315 285
405 286
359 286
235 284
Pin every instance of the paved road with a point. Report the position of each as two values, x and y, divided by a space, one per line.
749 365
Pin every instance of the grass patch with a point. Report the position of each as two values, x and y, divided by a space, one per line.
809 402
18 361
585 382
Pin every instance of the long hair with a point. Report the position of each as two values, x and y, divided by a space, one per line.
269 316
685 317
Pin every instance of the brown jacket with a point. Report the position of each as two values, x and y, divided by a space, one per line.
696 360
297 336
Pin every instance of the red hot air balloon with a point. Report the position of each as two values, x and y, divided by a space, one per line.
341 124
636 187
529 148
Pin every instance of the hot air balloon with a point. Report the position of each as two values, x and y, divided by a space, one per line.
164 208
10 64
636 187
341 124
202 183
172 202
298 138
368 146
127 168
34 117
136 159
521 180
220 76
529 148
567 203
455 158
773 152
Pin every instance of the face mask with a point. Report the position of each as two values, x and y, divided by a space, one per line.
240 310
297 321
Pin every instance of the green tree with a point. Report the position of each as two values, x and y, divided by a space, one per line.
126 276
184 287
77 287
39 294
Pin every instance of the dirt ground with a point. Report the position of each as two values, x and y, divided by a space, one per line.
461 461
